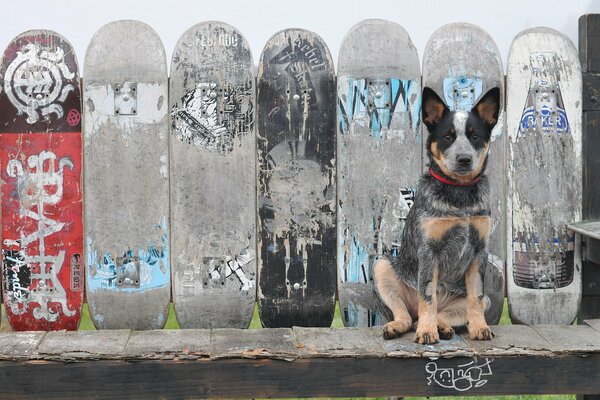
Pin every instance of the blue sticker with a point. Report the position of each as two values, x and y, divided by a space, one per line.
544 109
132 270
461 92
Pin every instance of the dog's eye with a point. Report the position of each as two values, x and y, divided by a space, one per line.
474 137
448 138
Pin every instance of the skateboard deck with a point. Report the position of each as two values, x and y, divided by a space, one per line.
461 63
126 177
379 157
40 169
296 181
544 123
213 178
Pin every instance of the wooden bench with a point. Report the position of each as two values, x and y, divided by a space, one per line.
298 362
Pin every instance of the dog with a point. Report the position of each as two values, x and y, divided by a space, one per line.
437 276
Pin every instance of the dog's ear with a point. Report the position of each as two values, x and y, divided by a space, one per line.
433 108
488 107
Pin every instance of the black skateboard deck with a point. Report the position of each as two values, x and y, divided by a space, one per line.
296 181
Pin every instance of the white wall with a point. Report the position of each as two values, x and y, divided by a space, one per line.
259 19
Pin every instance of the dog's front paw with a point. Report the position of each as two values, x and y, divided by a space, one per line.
427 336
396 328
446 332
481 332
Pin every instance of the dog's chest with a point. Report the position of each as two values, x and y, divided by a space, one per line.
454 240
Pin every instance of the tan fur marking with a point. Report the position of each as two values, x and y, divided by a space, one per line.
487 110
427 332
393 293
483 225
434 110
439 159
436 228
478 327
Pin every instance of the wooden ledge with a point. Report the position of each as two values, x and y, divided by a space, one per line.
298 362
587 228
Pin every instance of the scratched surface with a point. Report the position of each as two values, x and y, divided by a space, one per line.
296 181
544 127
40 172
126 181
379 157
213 179
461 63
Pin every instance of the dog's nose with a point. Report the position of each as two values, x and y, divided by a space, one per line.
464 160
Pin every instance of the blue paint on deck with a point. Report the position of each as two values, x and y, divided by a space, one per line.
155 271
548 119
396 97
461 92
358 262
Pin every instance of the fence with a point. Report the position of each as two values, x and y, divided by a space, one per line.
323 362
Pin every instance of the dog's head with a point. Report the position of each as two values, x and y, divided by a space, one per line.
458 141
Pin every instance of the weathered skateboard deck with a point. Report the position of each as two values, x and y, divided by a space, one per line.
544 124
126 177
379 157
213 178
296 181
461 63
40 169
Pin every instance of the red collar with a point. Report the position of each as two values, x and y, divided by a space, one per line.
453 183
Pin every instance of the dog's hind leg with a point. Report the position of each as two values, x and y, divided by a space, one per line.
392 293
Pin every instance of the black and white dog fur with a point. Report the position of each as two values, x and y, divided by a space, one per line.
437 276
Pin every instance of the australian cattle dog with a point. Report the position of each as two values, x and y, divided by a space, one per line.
436 278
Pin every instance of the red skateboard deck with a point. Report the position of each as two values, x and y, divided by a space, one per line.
40 168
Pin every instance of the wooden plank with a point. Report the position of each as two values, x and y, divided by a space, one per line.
301 378
277 343
405 346
510 339
567 339
594 323
587 228
590 279
590 307
168 343
83 344
349 342
589 42
591 92
19 345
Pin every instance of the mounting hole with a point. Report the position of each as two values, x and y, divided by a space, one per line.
116 111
